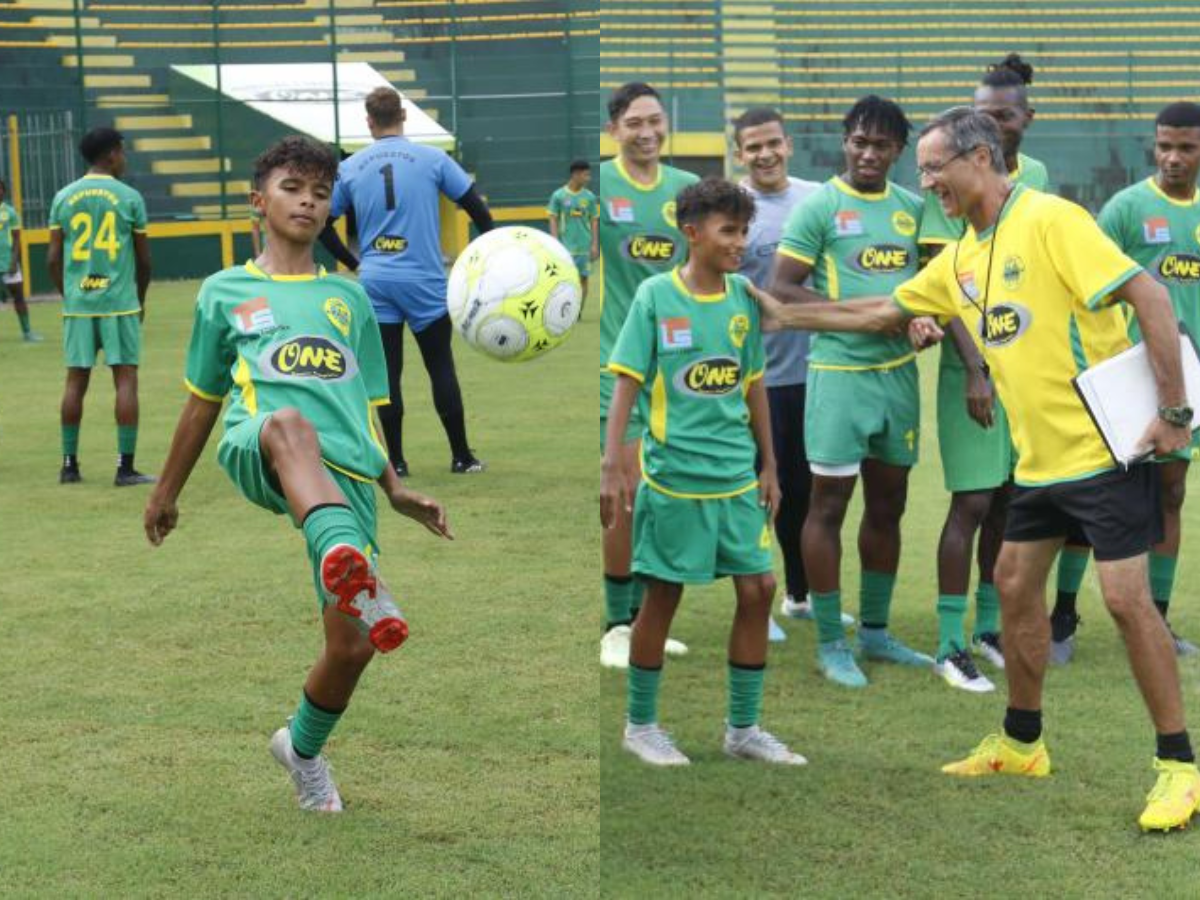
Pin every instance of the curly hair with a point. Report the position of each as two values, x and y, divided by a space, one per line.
697 202
297 154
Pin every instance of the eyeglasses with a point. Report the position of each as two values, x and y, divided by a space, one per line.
933 170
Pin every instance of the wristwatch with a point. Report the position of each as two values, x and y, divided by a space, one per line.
1179 416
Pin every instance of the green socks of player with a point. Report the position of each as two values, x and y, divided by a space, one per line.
622 598
1162 580
126 446
310 727
327 525
745 694
1071 566
643 694
70 441
952 614
987 609
23 318
827 611
875 598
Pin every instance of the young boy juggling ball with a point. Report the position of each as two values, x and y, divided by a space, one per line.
691 355
299 353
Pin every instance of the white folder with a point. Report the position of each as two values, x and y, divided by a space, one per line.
1121 396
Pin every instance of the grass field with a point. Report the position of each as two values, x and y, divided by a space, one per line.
141 685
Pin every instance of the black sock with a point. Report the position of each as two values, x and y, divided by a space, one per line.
1024 725
70 461
1064 606
125 462
1161 606
1175 746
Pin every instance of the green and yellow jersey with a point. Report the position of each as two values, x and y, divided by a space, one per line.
574 212
98 216
938 228
638 238
309 342
1045 275
858 245
1162 235
10 221
695 356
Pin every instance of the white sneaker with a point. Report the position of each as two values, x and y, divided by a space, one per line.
614 647
675 648
761 746
775 634
802 609
958 670
989 647
652 745
315 789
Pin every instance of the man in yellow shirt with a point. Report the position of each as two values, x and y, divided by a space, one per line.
1035 280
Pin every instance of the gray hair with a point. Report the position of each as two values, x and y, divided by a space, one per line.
966 129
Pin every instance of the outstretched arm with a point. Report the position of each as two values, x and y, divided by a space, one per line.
191 434
872 314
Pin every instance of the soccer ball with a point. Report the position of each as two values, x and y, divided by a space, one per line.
514 293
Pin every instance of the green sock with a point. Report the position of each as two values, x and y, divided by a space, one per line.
327 525
23 318
987 609
827 610
952 614
310 727
619 593
875 598
643 694
745 694
1071 566
70 440
127 439
1162 579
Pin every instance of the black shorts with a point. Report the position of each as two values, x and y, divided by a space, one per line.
1119 512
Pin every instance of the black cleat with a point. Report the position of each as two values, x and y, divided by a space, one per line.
401 468
69 476
132 477
467 466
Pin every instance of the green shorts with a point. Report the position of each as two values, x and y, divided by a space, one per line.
120 337
240 455
974 458
583 262
687 541
850 416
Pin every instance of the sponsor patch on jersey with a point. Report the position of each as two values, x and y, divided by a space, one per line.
651 248
1004 324
389 243
91 283
739 327
308 356
1180 267
676 333
338 313
253 316
1013 271
620 209
881 258
847 223
904 224
1156 230
711 377
668 213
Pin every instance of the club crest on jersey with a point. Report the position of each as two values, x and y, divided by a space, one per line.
1004 324
253 316
91 283
1179 267
904 224
651 248
620 209
668 213
966 283
881 259
1156 230
739 327
338 313
847 223
1013 272
308 356
712 377
676 333
389 243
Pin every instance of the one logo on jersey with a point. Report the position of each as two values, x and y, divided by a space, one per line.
847 223
739 327
308 356
881 258
676 333
1181 267
389 243
94 283
620 209
712 377
905 225
1013 272
253 316
966 282
651 248
1004 324
338 313
1156 230
668 213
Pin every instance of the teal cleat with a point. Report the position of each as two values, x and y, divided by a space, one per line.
878 644
836 662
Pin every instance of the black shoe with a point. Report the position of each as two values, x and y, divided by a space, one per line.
467 466
69 476
132 477
401 468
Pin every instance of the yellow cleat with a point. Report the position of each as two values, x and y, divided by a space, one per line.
1174 798
998 754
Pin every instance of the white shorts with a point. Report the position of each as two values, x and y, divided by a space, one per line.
13 278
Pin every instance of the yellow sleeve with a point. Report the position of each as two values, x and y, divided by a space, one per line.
931 292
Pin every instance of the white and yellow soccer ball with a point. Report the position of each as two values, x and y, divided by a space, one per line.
514 293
